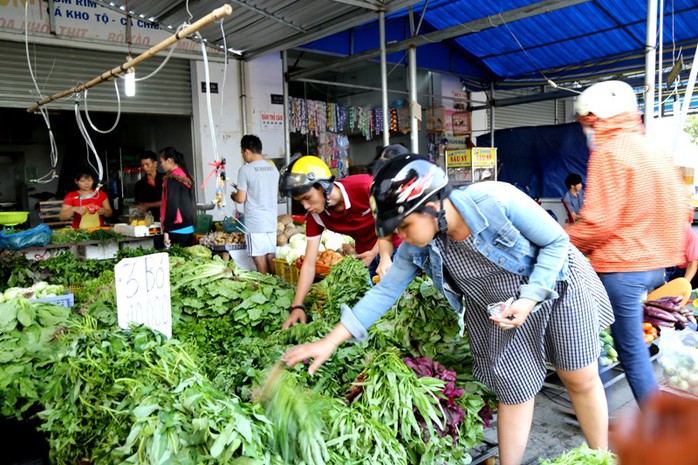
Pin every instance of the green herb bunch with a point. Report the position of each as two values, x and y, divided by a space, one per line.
29 338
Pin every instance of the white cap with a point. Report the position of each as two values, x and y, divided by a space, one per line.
606 99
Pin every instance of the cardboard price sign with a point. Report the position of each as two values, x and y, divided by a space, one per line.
143 292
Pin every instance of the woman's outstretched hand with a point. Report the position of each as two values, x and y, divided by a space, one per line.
318 351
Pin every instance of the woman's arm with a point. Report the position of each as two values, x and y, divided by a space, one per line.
385 250
539 228
67 211
106 210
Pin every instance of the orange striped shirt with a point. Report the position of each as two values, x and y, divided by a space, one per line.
635 202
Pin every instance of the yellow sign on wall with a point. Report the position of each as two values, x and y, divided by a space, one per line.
458 158
484 157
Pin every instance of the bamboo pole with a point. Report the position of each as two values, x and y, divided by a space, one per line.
215 15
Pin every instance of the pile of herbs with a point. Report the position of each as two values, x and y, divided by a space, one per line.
131 396
29 338
191 399
15 270
73 236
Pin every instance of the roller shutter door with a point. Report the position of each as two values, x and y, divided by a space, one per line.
528 114
59 68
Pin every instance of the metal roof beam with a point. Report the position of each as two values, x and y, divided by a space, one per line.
360 4
471 27
265 13
327 29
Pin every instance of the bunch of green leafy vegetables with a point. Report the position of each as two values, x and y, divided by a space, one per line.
30 335
582 455
15 270
133 397
297 416
257 303
424 324
67 270
347 282
73 236
392 394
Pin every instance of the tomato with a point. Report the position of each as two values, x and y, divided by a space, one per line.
647 326
648 338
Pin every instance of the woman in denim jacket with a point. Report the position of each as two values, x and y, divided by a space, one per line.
484 245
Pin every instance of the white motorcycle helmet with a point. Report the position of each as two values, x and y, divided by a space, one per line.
606 99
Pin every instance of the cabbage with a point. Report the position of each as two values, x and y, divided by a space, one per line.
199 251
13 292
331 240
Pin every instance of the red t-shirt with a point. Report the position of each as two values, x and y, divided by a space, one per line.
91 220
356 220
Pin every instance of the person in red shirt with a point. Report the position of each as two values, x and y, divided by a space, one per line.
340 206
86 206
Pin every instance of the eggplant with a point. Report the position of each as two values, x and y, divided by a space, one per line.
656 322
664 305
677 299
659 314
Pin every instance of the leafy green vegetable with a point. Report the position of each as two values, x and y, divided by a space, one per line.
582 455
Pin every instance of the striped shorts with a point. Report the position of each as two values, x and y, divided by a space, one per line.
564 331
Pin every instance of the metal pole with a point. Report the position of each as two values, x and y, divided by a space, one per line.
660 64
384 80
243 98
650 59
491 114
414 106
215 15
287 126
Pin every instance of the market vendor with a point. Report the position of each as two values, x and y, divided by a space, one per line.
148 190
531 296
87 206
340 206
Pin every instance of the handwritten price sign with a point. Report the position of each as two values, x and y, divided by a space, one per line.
143 292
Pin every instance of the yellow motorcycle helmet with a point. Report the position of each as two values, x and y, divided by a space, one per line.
304 172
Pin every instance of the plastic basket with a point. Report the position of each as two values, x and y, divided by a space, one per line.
288 272
66 300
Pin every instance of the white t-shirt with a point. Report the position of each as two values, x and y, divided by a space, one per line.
260 180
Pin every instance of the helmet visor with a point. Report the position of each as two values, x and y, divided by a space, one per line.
291 181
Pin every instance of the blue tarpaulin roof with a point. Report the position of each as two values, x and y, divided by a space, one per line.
586 40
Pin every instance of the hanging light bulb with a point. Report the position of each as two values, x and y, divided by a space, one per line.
130 82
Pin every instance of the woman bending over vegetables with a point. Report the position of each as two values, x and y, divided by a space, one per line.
487 244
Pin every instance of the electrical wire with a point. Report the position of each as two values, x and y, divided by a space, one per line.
118 111
167 58
53 156
530 58
91 148
207 76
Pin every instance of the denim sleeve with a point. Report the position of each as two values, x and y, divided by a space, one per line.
536 225
381 297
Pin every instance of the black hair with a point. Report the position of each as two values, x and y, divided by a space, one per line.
251 143
572 179
84 172
170 153
384 154
149 155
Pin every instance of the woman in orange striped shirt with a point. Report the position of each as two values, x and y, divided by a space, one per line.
633 218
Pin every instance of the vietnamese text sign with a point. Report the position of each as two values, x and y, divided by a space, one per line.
143 292
272 121
458 158
484 157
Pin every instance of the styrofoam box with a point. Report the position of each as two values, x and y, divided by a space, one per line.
98 251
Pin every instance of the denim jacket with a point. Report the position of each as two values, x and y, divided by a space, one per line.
509 229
